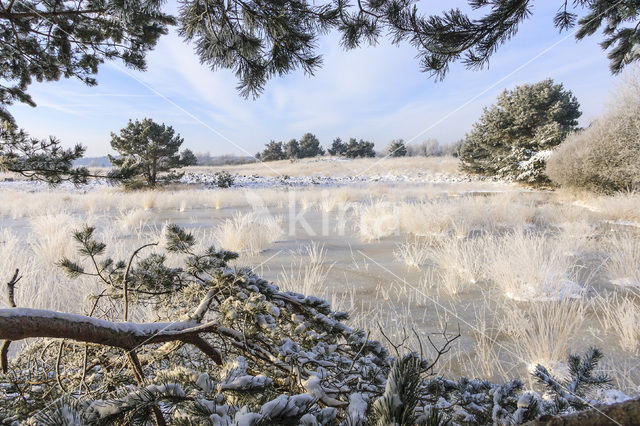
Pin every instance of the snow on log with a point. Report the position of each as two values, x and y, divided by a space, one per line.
22 323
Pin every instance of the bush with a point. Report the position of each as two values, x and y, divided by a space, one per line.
224 179
604 157
507 140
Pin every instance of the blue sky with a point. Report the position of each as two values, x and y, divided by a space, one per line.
375 93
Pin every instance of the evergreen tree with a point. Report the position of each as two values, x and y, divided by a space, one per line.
397 148
188 158
511 138
273 152
146 149
260 40
281 36
45 41
292 149
357 149
337 147
310 146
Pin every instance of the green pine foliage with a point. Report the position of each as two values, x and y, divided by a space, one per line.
513 138
261 40
188 158
45 41
397 148
273 151
147 150
310 146
224 179
337 147
43 160
358 149
292 149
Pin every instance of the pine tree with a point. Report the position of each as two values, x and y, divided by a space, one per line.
512 138
397 148
146 150
337 147
188 158
310 146
45 41
273 152
292 149
362 148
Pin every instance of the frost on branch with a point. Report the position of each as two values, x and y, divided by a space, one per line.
230 348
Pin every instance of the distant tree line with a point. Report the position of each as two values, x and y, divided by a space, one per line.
309 146
429 148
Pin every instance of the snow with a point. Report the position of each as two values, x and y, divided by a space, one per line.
209 180
612 396
136 329
358 404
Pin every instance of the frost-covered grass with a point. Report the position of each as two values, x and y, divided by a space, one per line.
248 232
528 266
623 264
341 167
543 332
517 270
308 273
620 315
414 254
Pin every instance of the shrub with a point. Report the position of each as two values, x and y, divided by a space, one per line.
525 121
224 179
604 157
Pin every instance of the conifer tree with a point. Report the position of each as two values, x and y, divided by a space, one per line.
146 150
397 148
513 137
188 158
292 149
337 147
273 152
36 159
362 148
310 146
